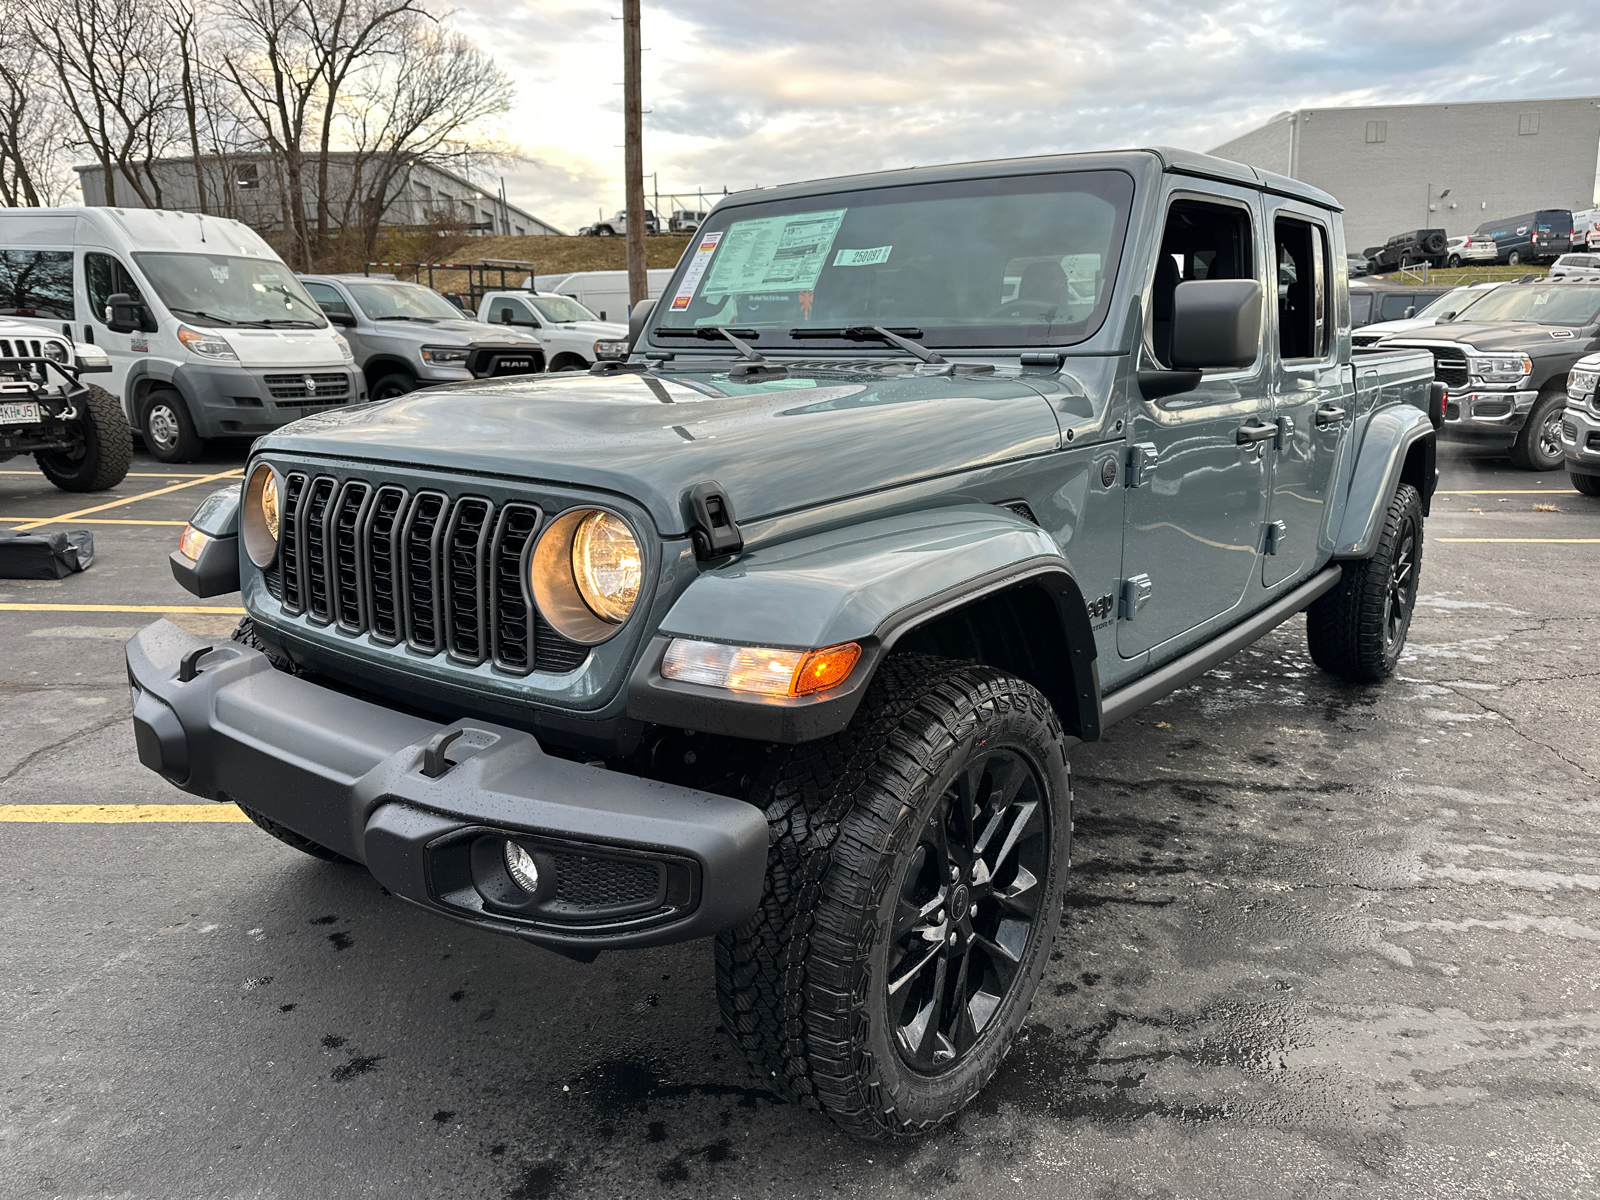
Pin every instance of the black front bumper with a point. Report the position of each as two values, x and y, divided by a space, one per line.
649 863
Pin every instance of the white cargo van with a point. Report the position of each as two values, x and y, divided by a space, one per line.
211 337
604 293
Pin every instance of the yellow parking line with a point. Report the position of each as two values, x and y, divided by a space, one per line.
1564 541
90 521
119 814
176 487
123 608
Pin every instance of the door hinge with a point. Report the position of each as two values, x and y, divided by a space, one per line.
1142 460
1277 534
1285 432
1135 595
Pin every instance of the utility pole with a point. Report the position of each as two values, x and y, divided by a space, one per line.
633 154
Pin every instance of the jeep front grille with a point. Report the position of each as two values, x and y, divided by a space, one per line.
437 573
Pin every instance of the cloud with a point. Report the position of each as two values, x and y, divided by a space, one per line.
744 93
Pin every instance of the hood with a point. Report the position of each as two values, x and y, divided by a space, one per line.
289 349
1526 337
1406 325
10 327
463 332
775 446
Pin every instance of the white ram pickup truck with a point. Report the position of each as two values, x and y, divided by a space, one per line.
573 337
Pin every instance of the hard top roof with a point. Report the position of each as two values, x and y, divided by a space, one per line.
1184 162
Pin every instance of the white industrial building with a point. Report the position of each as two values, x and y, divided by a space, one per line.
246 187
1392 165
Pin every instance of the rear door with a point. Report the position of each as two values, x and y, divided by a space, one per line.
1197 493
1309 389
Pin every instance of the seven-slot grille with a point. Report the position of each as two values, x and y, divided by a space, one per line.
437 573
21 348
328 386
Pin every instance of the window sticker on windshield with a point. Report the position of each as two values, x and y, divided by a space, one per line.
774 253
696 271
862 258
220 273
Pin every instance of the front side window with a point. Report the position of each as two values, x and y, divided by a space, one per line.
1395 305
505 312
328 299
383 300
1021 260
559 310
1203 240
223 289
103 278
36 283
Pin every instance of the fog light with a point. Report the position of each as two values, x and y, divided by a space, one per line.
520 866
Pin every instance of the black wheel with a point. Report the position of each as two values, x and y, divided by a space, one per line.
915 877
1358 630
1538 445
1589 485
1455 260
169 433
569 362
101 460
389 386
1514 258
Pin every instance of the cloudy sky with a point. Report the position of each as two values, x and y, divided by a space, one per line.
744 93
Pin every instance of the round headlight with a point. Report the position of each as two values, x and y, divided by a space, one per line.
57 352
605 564
261 519
585 572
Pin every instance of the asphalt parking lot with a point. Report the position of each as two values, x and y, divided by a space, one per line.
1322 940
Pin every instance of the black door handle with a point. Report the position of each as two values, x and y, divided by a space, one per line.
1330 414
1255 433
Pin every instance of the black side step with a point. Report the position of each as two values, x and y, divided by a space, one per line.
1142 692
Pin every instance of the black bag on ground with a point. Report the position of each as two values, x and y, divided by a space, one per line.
44 555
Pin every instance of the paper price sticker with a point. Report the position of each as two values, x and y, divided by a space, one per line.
696 271
862 258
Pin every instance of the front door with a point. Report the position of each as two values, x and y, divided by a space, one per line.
1200 461
1309 391
104 275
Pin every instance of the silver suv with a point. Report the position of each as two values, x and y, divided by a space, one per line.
406 336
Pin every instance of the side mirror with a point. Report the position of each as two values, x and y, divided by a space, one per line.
343 320
637 320
1411 311
124 314
1216 323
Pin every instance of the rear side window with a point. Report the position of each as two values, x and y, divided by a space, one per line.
104 277
36 283
1303 293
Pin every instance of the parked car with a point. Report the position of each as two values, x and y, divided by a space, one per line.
1356 265
1505 366
1530 237
571 336
1411 249
1378 300
1584 236
75 431
206 330
782 630
1471 248
685 220
604 293
1448 307
1576 266
406 336
617 225
1580 426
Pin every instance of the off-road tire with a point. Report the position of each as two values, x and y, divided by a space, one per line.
1533 450
1589 485
245 635
168 429
802 984
1349 628
392 385
107 447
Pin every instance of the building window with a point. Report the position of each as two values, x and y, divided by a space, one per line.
247 175
1528 123
1377 131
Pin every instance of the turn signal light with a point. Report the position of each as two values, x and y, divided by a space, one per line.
191 542
762 670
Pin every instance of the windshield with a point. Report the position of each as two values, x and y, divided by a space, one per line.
383 301
1024 260
559 309
220 289
1553 304
1457 301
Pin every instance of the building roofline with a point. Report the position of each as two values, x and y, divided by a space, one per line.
1316 108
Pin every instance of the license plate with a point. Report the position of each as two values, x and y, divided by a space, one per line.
19 414
513 366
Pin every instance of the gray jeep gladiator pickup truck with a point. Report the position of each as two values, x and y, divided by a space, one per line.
781 629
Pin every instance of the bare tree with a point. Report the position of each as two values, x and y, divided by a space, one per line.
32 126
114 75
183 20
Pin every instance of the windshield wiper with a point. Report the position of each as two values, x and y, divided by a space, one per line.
205 316
288 323
755 362
856 333
398 317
